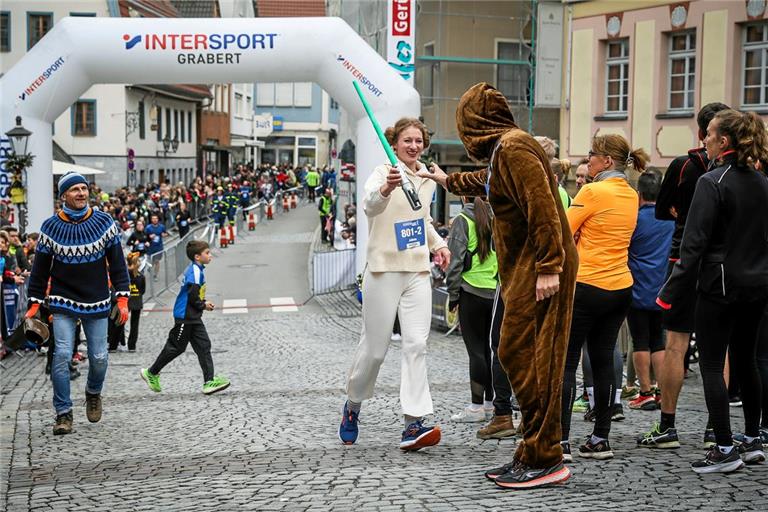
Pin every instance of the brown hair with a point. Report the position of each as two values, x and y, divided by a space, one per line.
195 247
133 261
746 133
483 227
393 132
617 147
560 167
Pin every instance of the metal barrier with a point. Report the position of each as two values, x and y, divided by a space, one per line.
333 271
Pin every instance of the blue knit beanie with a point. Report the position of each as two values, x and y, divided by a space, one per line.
70 179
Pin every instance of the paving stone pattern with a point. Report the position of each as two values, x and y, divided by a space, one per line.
270 441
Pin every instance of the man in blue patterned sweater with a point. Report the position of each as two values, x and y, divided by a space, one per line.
79 252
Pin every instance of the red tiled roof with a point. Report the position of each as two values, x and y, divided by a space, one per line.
289 8
148 8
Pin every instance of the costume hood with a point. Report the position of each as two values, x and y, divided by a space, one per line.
482 116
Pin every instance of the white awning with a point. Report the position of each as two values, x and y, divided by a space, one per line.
60 168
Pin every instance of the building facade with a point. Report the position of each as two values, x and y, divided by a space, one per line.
643 69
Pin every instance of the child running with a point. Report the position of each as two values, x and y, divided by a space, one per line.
189 327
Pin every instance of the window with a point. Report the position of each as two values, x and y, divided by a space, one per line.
284 95
83 14
189 126
38 24
238 104
159 123
617 77
754 63
176 134
265 94
84 118
302 94
5 31
142 127
513 79
168 123
429 75
183 132
334 104
682 69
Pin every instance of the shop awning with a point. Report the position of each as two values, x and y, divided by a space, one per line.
60 168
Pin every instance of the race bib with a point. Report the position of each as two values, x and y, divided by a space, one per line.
140 247
410 234
183 223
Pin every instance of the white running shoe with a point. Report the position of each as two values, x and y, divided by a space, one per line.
468 415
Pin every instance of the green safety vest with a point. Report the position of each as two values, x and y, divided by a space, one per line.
325 206
480 274
313 179
564 197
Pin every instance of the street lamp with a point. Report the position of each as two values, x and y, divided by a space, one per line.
19 137
170 145
17 162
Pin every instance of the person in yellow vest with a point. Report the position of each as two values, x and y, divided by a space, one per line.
313 180
325 210
472 276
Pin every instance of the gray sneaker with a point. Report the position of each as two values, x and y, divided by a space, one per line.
718 462
751 452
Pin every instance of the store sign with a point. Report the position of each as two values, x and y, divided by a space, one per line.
206 48
262 125
549 54
5 174
277 123
401 37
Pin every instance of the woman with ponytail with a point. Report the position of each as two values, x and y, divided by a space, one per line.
724 263
602 218
472 276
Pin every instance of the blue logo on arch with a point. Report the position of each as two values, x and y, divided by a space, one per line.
130 42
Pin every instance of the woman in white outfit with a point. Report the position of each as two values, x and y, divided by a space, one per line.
396 281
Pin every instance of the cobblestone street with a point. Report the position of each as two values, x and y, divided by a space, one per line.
270 441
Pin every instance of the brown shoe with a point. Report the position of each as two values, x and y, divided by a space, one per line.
500 427
63 424
93 407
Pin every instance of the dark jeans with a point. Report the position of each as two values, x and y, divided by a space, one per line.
323 233
134 334
502 391
181 335
734 328
597 318
475 316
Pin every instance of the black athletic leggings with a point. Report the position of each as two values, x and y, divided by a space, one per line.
597 318
475 315
729 327
502 391
762 365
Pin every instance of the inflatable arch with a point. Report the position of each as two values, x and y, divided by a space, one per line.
79 52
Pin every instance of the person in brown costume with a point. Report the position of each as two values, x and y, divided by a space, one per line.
537 267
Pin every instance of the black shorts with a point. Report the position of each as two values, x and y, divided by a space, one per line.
680 317
645 329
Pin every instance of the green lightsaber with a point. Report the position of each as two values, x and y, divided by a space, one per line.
410 191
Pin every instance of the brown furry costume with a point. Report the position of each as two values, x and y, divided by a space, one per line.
532 236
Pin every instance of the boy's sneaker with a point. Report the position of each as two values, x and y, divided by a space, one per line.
658 439
617 412
644 402
581 404
93 407
348 429
718 462
709 438
63 424
469 415
599 451
629 392
215 385
527 478
152 380
416 436
751 452
493 474
566 446
500 427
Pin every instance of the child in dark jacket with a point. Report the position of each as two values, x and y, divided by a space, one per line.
136 299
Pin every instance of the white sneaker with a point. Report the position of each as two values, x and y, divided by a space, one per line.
396 337
468 415
489 413
122 348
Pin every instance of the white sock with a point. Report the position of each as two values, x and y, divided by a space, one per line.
617 398
487 405
594 439
591 395
725 449
475 407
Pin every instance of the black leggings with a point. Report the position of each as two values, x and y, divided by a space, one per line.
502 390
475 315
133 335
762 365
645 328
729 327
597 318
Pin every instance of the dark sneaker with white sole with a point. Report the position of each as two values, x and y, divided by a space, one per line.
566 446
658 439
718 462
417 436
525 477
751 452
493 474
599 451
348 429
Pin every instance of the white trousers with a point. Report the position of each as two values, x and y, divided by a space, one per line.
409 295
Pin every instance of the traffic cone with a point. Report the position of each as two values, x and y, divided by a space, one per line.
231 234
223 240
269 210
251 221
293 200
286 207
